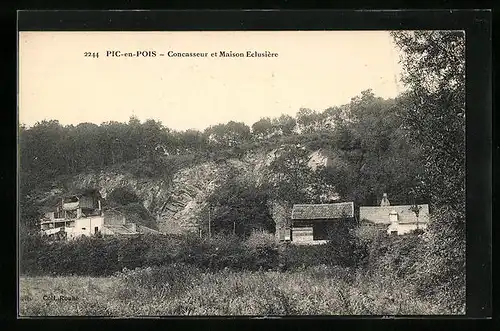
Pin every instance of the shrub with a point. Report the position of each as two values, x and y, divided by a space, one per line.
367 234
430 264
263 250
396 255
229 251
162 249
260 239
294 257
344 247
29 247
223 251
440 271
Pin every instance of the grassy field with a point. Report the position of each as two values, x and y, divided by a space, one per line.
186 290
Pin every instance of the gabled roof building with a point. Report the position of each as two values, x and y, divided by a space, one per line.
398 219
312 223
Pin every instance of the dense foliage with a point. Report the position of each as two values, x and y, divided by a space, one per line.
433 112
102 256
239 207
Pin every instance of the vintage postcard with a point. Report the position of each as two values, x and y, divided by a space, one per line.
241 173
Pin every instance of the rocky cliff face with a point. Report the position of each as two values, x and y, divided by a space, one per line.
176 202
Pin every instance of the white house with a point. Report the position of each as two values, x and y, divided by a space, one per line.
75 215
82 215
399 219
73 228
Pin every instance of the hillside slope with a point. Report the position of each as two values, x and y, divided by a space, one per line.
179 200
174 202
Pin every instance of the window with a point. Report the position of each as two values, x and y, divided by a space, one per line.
84 229
394 232
96 229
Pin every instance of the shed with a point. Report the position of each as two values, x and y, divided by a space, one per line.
311 222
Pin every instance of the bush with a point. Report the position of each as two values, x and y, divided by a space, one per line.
260 239
396 255
440 270
29 247
294 257
344 247
367 234
101 256
263 249
166 265
431 264
229 251
163 249
216 253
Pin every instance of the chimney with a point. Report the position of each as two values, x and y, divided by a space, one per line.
385 201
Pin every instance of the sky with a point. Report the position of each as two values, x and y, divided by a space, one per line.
313 69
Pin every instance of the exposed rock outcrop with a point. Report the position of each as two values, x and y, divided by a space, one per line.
176 202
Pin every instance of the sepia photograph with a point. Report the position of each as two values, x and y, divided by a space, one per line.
241 173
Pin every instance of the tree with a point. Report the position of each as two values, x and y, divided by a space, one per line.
228 135
285 124
262 128
240 206
333 115
433 112
83 150
42 151
192 140
133 141
290 175
152 138
309 121
370 153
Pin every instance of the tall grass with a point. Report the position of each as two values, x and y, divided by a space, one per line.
187 275
180 289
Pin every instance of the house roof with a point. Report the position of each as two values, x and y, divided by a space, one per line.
380 214
53 201
323 211
145 229
119 229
